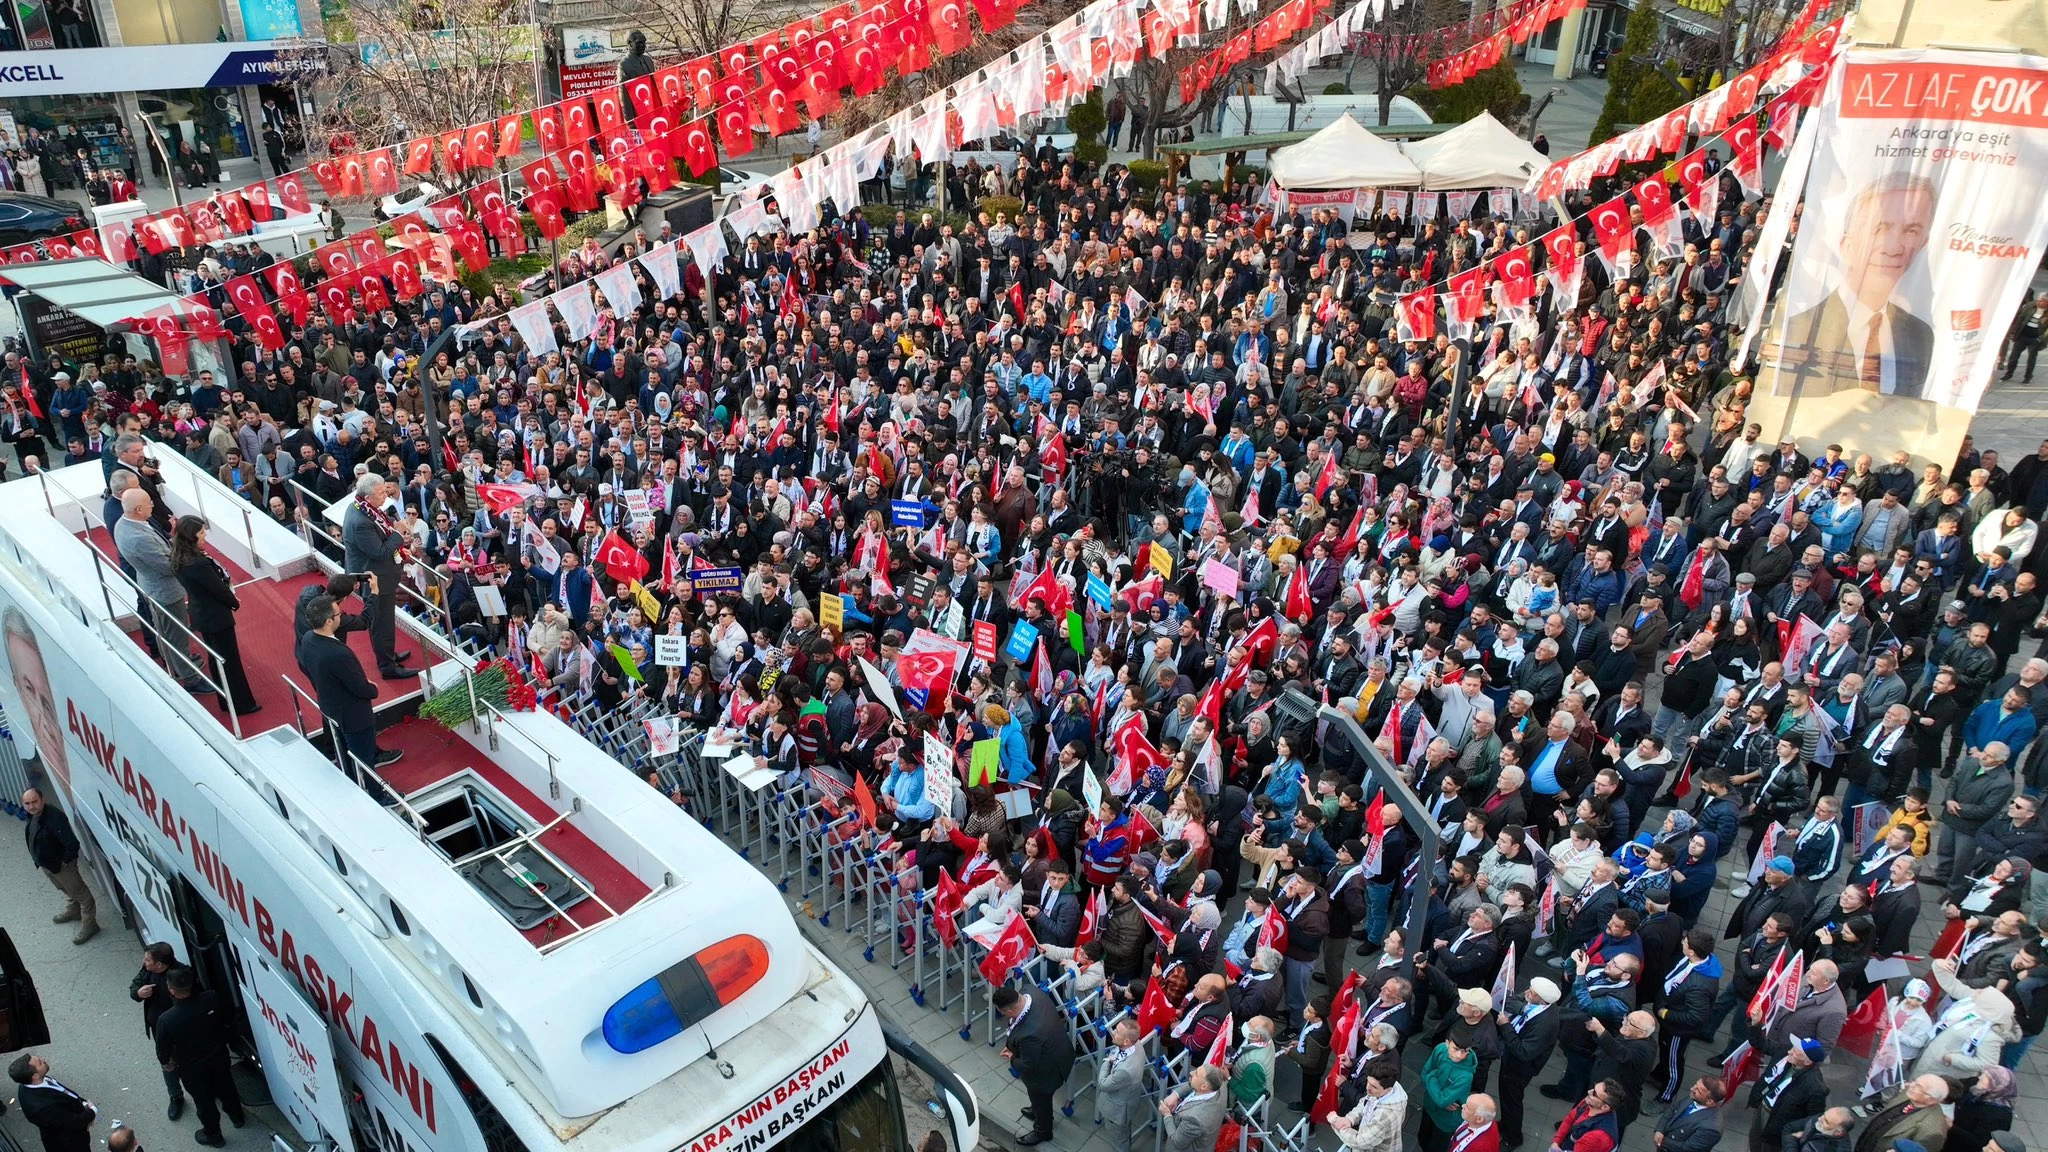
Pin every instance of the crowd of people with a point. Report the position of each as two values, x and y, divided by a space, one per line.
1556 575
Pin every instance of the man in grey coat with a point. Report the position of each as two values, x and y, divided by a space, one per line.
1192 1114
371 543
149 555
1819 1014
1120 1086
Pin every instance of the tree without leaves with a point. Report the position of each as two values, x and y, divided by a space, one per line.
1152 90
1397 67
680 30
403 77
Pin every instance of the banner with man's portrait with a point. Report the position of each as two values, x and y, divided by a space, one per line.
1923 221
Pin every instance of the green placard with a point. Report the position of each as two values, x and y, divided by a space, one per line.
981 768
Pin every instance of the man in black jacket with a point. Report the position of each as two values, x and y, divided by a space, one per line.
1689 992
54 848
1528 1035
339 685
1752 963
1788 1092
1038 1051
192 1041
158 961
1695 1124
1827 1132
64 1118
1055 915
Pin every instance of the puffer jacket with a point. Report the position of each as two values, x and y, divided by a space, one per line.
1125 936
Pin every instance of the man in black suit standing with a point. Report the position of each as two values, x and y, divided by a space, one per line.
192 1040
149 988
64 1118
372 543
1859 337
339 685
1039 1052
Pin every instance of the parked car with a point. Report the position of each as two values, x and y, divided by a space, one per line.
410 197
25 218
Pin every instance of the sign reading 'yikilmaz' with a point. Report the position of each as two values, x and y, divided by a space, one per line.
79 71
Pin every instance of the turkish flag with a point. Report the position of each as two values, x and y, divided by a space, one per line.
510 136
672 91
1465 296
470 243
611 115
948 21
1418 316
1155 1011
1613 230
864 801
405 276
656 165
547 128
776 110
547 214
283 278
235 211
257 196
822 58
1561 245
735 133
354 175
411 231
1653 196
929 671
87 242
864 71
120 239
1015 946
1860 1029
910 40
454 153
336 259
576 125
269 333
419 156
736 63
490 206
380 173
580 186
1746 157
701 74
996 14
622 562
948 898
1516 276
480 145
727 89
781 66
206 226
329 174
247 296
335 298
369 281
204 323
540 176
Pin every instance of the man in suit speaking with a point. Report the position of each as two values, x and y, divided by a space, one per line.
1859 337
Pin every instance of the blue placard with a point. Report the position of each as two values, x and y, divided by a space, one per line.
906 513
1098 591
1023 638
718 579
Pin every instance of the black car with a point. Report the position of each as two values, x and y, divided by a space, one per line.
25 218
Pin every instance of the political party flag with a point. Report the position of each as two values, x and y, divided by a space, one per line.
1504 984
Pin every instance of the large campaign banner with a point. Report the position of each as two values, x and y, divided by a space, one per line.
1922 224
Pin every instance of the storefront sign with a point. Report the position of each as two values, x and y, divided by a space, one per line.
271 20
584 79
60 330
91 71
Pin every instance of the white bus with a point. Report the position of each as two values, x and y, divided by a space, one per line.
512 946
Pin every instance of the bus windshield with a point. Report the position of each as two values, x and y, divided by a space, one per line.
866 1118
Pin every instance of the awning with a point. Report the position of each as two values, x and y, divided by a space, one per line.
94 290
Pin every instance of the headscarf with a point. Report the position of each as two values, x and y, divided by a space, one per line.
2005 1087
873 719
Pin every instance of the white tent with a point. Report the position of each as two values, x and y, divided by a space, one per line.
1480 153
1344 155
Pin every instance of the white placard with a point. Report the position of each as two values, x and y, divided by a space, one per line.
1091 790
939 781
489 600
671 651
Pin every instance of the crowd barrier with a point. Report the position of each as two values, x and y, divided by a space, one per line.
824 857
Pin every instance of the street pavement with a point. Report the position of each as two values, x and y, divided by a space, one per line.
96 1043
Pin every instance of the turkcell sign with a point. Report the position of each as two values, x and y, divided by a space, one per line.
83 71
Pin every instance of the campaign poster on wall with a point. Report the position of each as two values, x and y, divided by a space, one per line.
1921 227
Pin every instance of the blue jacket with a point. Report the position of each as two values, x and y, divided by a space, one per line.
1986 725
907 786
1015 757
1600 1001
1689 896
1720 817
1604 589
